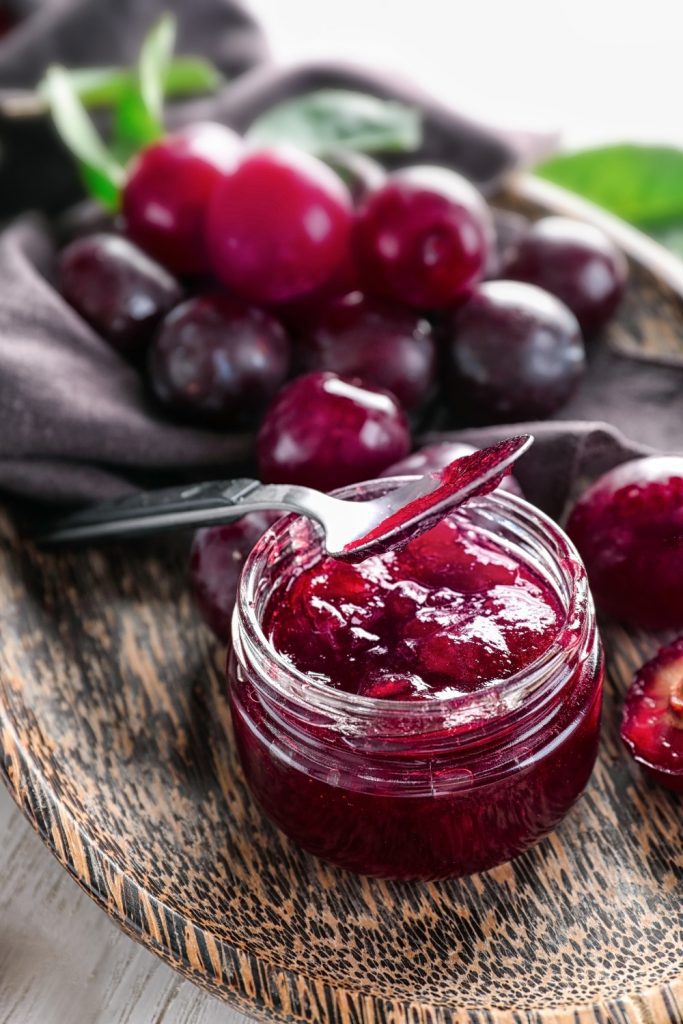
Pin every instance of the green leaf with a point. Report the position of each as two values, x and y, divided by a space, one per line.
100 186
103 174
96 87
641 184
332 119
133 126
104 87
154 61
139 110
186 76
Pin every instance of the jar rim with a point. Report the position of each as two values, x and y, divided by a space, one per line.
302 687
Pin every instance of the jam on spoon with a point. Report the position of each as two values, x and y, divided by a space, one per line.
434 495
439 455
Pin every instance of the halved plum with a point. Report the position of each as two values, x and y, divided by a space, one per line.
652 723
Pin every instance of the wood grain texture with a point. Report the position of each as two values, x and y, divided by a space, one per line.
115 741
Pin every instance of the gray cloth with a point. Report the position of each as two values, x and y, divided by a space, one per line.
76 423
75 419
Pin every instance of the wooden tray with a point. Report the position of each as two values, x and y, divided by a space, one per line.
115 742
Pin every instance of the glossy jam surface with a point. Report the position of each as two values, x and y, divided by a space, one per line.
444 616
468 477
446 772
434 457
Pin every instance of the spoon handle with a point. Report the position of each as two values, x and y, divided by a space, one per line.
216 501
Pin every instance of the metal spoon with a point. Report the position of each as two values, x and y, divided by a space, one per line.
352 529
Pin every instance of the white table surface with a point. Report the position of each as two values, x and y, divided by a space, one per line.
62 961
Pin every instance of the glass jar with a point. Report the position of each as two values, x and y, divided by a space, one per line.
420 789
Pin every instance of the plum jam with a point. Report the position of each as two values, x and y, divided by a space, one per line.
429 712
445 616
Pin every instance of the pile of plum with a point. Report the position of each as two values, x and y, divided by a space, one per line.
236 269
329 304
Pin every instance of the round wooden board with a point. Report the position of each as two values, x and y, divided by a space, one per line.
115 741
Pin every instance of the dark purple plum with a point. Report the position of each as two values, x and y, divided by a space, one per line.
652 722
216 560
383 345
509 228
298 314
575 262
516 353
628 527
218 361
278 226
117 288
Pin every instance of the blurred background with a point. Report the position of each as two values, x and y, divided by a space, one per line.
592 70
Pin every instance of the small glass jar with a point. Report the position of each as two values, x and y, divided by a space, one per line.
420 789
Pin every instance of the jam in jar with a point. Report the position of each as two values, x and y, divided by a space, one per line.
429 712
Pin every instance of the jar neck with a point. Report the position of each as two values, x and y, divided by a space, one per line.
302 705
